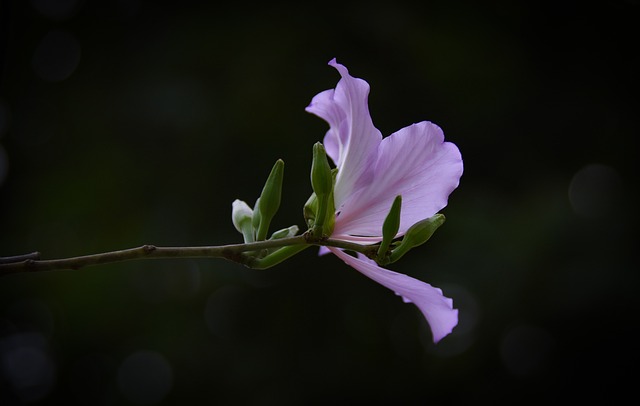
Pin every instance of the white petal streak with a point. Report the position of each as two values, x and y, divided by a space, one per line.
414 162
352 139
436 308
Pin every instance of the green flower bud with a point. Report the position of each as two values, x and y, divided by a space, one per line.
416 235
321 179
255 220
389 230
322 183
310 209
285 233
330 219
331 206
270 199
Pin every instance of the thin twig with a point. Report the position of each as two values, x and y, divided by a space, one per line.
233 252
19 258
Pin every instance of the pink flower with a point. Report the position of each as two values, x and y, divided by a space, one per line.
414 162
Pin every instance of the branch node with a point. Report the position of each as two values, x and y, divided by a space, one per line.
149 248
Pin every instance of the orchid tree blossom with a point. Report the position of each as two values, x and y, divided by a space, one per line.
414 162
381 190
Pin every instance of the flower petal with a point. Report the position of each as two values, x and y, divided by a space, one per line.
436 308
414 162
352 139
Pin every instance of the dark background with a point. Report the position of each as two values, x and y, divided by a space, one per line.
132 122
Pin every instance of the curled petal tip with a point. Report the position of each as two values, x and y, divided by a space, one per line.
445 329
436 308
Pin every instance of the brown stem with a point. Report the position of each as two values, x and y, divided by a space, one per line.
234 252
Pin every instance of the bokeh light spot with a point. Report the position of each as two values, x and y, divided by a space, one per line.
595 190
26 366
57 56
145 378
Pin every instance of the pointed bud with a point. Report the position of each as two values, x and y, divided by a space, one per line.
285 233
330 221
321 179
277 235
389 230
322 183
416 235
270 199
310 210
241 216
255 220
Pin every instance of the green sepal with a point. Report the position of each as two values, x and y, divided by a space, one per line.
255 220
275 257
330 219
277 235
416 235
285 233
322 183
270 199
390 229
321 179
310 209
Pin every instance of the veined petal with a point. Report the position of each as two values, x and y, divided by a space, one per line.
436 308
415 163
352 139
